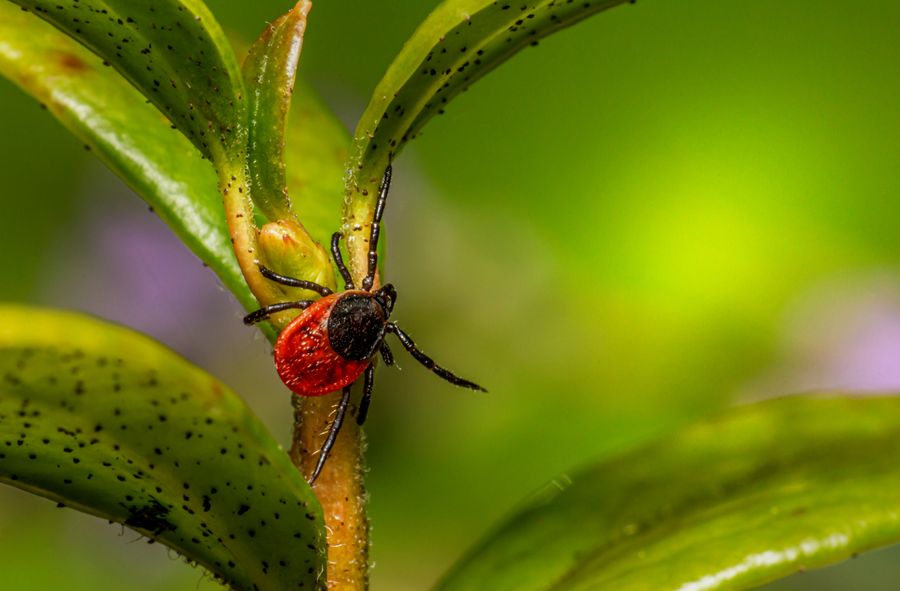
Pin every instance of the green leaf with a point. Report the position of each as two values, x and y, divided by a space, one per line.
317 148
285 244
761 492
137 143
269 73
110 422
174 52
129 135
458 43
316 143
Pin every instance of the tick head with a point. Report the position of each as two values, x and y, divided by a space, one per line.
386 296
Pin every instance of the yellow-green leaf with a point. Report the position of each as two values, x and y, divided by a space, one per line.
136 141
269 73
756 494
174 52
130 136
109 422
458 43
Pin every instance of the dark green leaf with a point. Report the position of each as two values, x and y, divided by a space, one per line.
174 52
269 73
759 493
110 422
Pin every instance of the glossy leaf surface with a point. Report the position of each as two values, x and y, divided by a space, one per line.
110 422
137 143
173 51
269 72
757 494
130 136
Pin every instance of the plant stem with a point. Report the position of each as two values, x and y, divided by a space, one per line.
339 488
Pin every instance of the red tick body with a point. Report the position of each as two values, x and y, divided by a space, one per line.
334 340
305 359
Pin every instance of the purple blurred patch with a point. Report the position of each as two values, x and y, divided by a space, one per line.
122 263
844 335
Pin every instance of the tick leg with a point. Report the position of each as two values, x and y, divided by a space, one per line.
376 230
386 354
332 434
428 362
291 282
339 260
368 383
263 313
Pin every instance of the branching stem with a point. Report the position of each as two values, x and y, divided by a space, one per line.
340 487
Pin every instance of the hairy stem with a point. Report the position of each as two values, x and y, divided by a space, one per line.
339 488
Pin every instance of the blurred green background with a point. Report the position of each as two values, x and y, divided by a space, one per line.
669 208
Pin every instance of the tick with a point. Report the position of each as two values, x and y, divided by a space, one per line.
336 338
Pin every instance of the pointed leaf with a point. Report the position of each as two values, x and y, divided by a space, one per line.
173 51
759 493
111 423
316 143
459 42
137 143
269 73
129 135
